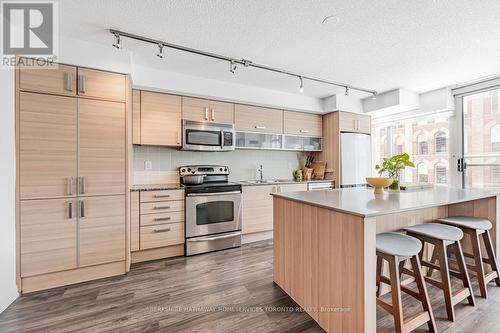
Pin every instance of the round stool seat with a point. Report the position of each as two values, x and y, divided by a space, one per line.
437 231
476 223
395 244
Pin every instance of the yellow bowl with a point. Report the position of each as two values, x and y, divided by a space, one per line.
379 183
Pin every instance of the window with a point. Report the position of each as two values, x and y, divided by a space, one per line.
390 138
422 173
423 149
495 138
398 145
440 139
441 174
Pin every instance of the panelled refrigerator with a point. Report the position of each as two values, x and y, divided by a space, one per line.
355 159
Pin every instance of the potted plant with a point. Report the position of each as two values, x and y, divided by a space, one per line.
393 166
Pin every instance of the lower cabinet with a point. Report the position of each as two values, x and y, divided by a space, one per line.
61 235
257 212
157 224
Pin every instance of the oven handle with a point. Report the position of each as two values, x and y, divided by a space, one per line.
212 194
204 239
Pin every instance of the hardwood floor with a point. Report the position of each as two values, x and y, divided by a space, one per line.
227 291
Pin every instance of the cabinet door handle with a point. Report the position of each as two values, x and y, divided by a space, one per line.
162 195
157 219
68 77
213 114
70 210
161 230
304 131
81 84
81 184
69 185
178 137
206 113
82 208
260 127
161 207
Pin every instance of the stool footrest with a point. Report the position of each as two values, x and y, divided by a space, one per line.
411 292
459 295
416 320
386 306
434 282
490 276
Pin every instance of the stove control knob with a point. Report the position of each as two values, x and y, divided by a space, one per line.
225 169
220 169
189 169
183 170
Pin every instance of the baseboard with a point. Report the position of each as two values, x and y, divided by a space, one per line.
58 279
256 236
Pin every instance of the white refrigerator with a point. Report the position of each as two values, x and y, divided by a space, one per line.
355 159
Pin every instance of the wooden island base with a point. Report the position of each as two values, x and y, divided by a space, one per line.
325 259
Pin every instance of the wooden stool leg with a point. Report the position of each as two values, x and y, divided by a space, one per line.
380 268
478 261
397 306
445 278
462 267
422 289
433 261
491 255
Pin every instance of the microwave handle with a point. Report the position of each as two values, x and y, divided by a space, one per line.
222 139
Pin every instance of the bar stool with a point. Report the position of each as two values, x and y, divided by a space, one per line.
396 248
444 236
475 226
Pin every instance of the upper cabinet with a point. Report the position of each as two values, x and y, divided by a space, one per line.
249 118
354 122
100 84
203 110
298 123
60 80
160 119
73 81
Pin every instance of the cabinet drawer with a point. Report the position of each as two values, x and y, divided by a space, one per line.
256 119
298 123
162 207
166 195
155 219
162 235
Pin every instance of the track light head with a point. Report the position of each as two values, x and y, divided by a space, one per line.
117 42
301 84
160 51
232 66
346 90
374 95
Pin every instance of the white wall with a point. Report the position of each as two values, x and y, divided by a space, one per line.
8 289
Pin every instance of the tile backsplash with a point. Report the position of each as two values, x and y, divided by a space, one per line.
243 164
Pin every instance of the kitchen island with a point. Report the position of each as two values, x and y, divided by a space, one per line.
324 244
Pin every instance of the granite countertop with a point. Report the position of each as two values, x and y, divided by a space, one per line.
363 202
156 187
174 186
282 182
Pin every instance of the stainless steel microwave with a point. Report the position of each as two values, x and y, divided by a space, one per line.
207 136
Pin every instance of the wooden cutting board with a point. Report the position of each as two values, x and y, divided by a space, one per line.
319 170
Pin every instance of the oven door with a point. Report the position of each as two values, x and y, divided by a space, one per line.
209 213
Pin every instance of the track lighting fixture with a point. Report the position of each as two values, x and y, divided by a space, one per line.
233 62
232 66
117 42
160 51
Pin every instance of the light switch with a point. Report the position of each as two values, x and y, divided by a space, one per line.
148 165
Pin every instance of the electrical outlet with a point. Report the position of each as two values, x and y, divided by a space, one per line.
148 165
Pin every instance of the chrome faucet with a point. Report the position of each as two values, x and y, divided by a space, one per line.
260 173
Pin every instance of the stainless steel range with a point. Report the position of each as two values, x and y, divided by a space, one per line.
213 210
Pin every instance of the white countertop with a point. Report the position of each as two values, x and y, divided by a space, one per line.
363 202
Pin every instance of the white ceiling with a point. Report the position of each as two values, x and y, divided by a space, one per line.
419 45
